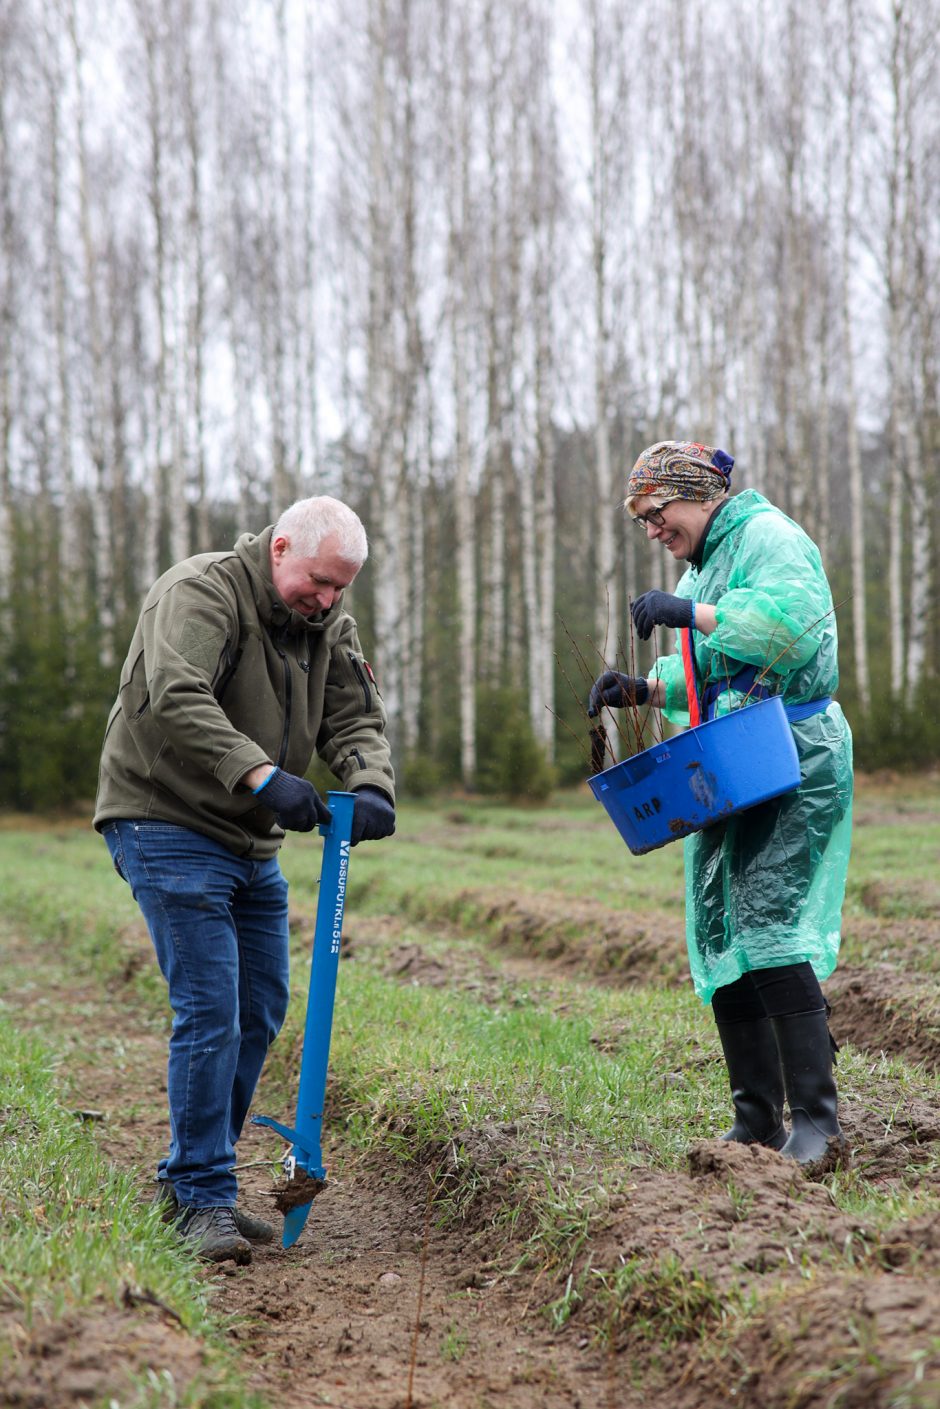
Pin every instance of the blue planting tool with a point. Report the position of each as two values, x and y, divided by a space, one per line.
304 1165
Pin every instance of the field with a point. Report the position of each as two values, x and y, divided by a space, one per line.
527 1202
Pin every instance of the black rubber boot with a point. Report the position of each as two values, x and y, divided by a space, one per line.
806 1052
753 1063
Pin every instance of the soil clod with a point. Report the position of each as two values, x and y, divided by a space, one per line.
298 1192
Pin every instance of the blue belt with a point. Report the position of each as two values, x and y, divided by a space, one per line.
746 682
803 711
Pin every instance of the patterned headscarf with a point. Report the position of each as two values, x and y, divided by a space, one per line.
679 469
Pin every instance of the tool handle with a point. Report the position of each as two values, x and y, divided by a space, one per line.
327 937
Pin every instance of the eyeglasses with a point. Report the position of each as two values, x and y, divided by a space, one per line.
653 516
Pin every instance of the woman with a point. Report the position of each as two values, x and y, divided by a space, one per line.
764 890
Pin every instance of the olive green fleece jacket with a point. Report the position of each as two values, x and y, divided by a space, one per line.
222 676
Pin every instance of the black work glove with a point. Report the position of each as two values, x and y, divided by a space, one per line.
660 609
615 691
373 816
295 803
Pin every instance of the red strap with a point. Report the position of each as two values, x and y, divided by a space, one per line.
691 684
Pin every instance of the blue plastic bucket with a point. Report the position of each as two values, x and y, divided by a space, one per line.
701 776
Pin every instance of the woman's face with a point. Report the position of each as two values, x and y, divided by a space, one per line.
683 523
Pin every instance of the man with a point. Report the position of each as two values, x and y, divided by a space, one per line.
764 889
242 666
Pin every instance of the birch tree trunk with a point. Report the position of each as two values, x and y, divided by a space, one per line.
290 303
518 458
493 627
118 319
855 485
96 416
607 606
913 458
544 220
410 560
195 363
311 452
68 568
464 508
154 489
384 455
894 259
754 451
232 236
8 315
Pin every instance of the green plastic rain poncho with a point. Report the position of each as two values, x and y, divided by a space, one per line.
766 887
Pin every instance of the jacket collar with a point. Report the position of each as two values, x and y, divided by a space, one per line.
728 516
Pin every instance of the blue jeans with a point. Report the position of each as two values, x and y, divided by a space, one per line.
219 927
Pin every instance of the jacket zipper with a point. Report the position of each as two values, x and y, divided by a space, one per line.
361 677
288 695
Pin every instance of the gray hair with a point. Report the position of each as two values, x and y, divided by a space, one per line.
309 521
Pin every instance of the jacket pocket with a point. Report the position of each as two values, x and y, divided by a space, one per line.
362 676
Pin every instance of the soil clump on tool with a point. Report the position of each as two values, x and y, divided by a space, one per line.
297 1192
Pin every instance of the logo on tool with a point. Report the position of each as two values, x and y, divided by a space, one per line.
340 898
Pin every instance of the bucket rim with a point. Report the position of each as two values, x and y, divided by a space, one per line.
694 729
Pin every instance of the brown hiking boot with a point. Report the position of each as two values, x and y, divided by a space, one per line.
256 1230
213 1233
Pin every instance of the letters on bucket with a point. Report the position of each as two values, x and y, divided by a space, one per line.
700 776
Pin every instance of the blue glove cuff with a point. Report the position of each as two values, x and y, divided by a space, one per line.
257 790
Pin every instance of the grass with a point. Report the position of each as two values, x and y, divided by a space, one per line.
661 1302
443 854
77 1236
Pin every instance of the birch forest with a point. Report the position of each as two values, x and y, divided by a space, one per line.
458 263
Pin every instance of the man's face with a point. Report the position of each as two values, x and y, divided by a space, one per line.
310 585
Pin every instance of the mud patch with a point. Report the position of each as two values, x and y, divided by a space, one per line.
899 1142
95 1357
411 963
908 896
739 1208
815 1348
736 1264
880 1009
609 946
911 943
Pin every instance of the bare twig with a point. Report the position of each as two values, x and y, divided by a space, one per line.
140 1296
585 750
780 654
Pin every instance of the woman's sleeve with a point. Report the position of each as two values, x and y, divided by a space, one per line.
670 670
775 611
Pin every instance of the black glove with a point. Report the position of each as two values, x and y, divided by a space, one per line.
295 803
660 609
615 691
373 816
